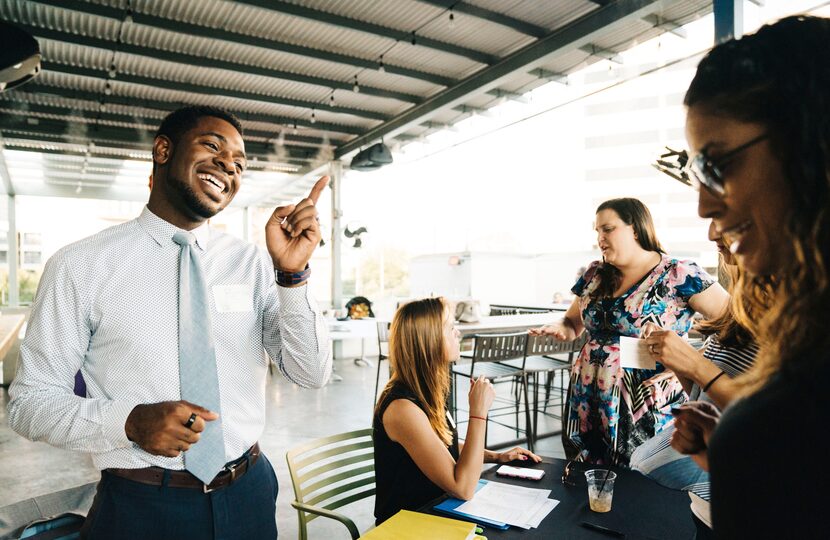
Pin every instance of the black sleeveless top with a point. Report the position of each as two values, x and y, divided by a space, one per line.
399 483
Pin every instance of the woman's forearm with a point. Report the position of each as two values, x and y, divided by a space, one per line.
470 460
686 383
570 327
722 391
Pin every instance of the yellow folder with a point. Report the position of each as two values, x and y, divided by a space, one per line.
406 525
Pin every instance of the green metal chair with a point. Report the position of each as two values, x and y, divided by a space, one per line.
329 473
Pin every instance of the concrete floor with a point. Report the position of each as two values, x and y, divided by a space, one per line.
295 416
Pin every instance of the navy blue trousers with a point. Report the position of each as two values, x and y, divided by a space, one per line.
128 510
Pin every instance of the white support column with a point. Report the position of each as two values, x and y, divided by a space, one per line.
11 255
336 175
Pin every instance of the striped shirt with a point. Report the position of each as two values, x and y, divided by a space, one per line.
108 305
730 360
658 460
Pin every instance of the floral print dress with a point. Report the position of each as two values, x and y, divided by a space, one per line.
612 410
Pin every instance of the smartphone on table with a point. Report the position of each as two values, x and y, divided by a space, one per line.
520 472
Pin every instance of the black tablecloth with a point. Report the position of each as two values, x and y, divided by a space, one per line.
641 509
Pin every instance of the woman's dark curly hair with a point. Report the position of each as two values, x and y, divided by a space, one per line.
779 77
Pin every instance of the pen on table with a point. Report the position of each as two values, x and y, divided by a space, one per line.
604 530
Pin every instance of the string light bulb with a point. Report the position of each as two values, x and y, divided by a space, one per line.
108 89
452 19
294 131
356 86
113 71
331 99
414 40
128 18
313 116
381 67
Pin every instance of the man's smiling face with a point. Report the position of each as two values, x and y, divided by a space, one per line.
205 168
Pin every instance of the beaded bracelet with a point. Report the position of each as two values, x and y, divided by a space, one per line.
290 279
712 381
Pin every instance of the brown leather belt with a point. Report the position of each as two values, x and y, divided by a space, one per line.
154 476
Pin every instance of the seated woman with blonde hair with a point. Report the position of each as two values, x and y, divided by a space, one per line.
417 455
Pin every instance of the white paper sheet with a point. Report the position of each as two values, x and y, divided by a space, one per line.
547 506
634 354
518 506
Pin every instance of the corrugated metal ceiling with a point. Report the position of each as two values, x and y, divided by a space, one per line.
277 64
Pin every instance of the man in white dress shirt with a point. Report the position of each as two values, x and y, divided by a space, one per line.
109 306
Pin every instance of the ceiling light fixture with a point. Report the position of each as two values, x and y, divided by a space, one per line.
19 56
371 159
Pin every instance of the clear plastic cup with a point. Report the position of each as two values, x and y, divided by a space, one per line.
600 489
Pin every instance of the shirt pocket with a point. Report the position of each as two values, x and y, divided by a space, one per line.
234 298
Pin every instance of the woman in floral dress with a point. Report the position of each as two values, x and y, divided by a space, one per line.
612 410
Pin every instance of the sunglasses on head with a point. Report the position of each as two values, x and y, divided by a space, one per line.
702 170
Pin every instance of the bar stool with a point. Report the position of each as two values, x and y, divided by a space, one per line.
489 353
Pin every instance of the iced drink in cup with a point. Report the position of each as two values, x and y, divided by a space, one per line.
600 489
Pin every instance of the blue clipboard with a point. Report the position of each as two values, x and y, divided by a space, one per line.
449 507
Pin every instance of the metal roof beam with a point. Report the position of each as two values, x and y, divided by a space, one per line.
493 16
81 128
116 154
186 28
571 37
208 90
131 139
202 61
669 26
549 75
112 193
129 101
370 28
605 54
152 122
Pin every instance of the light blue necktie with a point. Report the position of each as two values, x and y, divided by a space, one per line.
197 361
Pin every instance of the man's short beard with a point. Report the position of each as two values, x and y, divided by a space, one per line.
191 200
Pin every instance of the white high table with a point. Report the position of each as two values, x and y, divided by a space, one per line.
361 329
364 329
507 323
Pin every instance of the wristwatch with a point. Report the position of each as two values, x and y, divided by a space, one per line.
289 279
